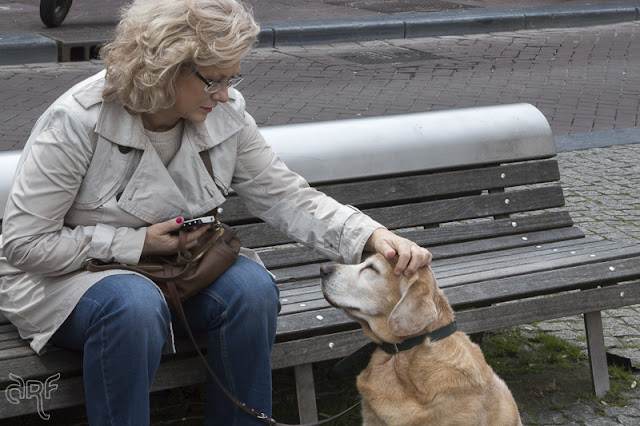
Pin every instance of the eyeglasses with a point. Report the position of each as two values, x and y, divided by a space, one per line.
216 86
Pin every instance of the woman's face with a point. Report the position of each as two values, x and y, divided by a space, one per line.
192 102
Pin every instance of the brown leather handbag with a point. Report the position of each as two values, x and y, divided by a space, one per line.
190 270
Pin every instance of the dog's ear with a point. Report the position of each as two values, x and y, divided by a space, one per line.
414 311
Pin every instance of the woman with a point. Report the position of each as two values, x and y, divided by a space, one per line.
110 171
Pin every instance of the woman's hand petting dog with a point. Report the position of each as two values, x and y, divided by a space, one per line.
411 256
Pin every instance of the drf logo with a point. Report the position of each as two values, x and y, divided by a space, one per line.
32 389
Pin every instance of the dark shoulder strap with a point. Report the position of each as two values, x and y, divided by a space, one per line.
204 155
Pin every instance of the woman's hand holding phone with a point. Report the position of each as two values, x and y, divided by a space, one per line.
162 238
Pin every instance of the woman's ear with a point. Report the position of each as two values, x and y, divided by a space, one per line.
414 311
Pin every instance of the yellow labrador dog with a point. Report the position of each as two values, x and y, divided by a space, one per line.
415 378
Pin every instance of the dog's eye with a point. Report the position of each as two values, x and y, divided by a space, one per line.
373 268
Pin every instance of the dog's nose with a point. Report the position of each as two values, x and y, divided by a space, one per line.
326 270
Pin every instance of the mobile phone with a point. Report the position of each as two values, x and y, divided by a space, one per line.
199 221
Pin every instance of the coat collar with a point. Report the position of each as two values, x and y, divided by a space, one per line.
117 125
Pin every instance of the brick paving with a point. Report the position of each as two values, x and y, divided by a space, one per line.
602 190
581 79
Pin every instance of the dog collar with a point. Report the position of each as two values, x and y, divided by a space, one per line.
363 355
437 334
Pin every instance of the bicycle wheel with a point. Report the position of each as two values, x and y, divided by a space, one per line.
53 12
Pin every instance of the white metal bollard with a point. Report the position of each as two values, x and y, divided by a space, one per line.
404 143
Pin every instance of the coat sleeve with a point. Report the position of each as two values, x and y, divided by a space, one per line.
35 238
285 200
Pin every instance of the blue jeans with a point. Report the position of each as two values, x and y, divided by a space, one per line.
121 323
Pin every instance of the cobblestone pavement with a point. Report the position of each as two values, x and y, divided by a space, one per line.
602 190
581 79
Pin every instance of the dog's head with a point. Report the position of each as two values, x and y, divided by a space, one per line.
389 307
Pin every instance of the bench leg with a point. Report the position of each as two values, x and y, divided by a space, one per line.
306 393
597 353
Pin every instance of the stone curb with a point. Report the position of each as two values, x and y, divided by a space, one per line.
474 21
599 139
18 49
29 48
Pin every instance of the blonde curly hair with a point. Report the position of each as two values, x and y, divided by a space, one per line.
156 40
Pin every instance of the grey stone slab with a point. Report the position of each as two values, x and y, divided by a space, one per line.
578 15
627 420
552 326
462 22
335 30
18 49
632 353
549 418
617 412
580 413
600 421
569 334
265 38
599 139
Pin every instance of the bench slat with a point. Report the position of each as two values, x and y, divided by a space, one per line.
430 212
574 277
314 301
303 272
490 228
544 308
13 343
9 335
539 266
400 190
315 349
69 392
458 209
563 245
14 353
429 237
28 364
522 256
506 243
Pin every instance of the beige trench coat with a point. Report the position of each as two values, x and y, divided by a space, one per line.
89 183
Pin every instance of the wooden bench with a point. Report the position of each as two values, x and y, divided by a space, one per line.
479 187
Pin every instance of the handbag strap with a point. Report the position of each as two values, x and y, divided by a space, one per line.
204 156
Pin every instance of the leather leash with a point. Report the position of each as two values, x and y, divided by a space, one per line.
175 299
